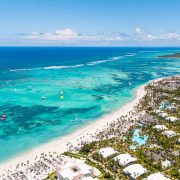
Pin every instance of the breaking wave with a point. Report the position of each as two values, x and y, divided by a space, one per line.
62 67
115 58
47 68
24 69
92 63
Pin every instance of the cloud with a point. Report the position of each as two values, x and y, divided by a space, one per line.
172 35
69 37
142 35
69 34
138 30
57 35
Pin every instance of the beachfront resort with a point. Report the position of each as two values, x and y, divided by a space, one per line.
143 144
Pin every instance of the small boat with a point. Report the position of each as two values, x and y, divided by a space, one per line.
130 84
61 92
73 120
43 97
76 118
29 88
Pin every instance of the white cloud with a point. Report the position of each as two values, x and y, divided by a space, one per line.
57 35
142 35
70 36
138 30
172 35
66 33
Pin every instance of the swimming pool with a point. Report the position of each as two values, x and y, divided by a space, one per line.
138 139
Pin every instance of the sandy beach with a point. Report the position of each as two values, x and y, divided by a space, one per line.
60 145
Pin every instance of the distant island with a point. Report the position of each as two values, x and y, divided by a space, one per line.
175 55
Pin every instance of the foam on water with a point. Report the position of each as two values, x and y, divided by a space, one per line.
46 68
74 66
63 67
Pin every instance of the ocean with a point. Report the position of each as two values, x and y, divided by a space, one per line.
49 92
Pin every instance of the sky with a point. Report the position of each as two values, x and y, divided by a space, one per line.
89 22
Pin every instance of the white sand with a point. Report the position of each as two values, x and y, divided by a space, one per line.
59 145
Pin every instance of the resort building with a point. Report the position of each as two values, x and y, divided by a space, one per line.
172 85
134 171
165 164
146 119
158 111
176 153
172 119
153 146
169 133
156 176
152 154
124 159
89 178
163 114
74 170
106 152
160 127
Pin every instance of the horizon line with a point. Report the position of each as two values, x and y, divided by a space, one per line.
94 46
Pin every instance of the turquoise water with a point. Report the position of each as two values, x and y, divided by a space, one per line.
138 139
164 105
50 92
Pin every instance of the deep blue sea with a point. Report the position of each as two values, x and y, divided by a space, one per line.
48 92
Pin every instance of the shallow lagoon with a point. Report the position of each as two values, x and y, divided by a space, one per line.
94 82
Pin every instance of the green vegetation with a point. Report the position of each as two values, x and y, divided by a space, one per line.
52 176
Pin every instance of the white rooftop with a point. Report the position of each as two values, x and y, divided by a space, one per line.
158 111
160 127
156 176
169 133
165 163
153 145
172 119
67 173
89 178
75 169
163 114
124 159
106 152
134 170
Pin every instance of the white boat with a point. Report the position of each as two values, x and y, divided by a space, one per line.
43 97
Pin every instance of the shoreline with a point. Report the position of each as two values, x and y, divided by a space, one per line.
59 145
